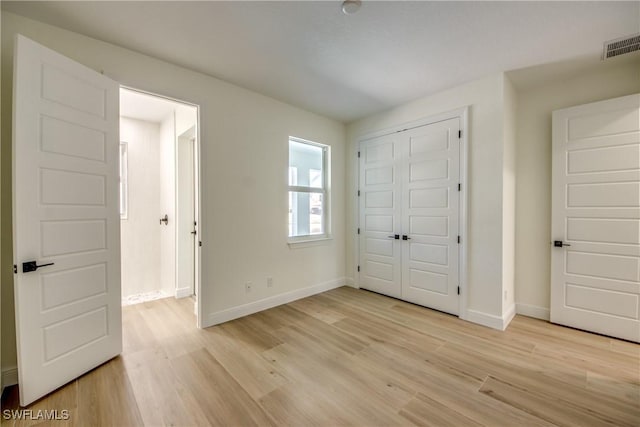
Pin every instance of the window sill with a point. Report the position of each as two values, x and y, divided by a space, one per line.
306 242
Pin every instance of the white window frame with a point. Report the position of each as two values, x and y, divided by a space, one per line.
124 180
325 190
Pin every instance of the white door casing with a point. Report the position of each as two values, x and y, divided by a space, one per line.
65 211
409 188
380 215
595 282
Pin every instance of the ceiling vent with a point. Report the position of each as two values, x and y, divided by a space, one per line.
621 46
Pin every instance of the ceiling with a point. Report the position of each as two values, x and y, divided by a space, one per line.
141 106
311 55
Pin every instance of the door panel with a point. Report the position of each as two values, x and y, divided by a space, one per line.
68 317
380 216
596 210
430 198
409 185
186 216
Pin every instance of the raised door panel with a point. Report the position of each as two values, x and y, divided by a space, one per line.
431 216
380 215
65 215
596 210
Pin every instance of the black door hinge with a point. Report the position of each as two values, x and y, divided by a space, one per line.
458 290
358 231
358 268
458 239
15 269
459 134
358 193
459 186
199 242
358 154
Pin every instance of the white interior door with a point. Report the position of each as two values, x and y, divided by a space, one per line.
380 215
410 215
186 217
430 215
595 276
65 216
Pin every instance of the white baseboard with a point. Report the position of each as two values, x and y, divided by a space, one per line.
183 292
270 302
508 316
9 377
492 321
348 281
139 298
533 311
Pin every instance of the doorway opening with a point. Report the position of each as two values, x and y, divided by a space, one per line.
159 188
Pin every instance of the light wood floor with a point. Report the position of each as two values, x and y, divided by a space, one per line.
351 357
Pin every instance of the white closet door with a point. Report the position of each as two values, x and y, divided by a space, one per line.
430 215
380 188
66 219
595 278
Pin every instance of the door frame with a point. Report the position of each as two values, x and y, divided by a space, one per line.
198 196
462 114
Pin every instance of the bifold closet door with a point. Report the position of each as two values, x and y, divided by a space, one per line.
380 189
430 215
409 215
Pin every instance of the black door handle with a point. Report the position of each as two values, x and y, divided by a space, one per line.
30 266
559 243
395 236
405 237
193 232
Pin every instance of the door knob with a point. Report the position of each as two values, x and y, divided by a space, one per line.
30 266
560 243
405 237
165 219
395 236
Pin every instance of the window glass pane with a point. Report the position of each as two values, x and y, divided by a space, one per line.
306 214
315 178
304 158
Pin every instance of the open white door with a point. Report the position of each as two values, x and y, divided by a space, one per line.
595 261
186 217
65 219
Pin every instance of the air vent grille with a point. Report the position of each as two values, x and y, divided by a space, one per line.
621 46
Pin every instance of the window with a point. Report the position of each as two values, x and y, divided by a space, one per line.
124 187
308 190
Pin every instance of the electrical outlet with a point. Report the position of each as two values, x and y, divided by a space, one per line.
269 282
248 286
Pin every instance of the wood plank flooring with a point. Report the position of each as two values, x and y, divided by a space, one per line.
350 357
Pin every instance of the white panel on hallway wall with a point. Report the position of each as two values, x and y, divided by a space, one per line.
141 230
167 184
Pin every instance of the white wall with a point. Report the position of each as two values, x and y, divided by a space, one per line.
554 88
139 232
168 204
244 139
186 118
485 183
509 174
